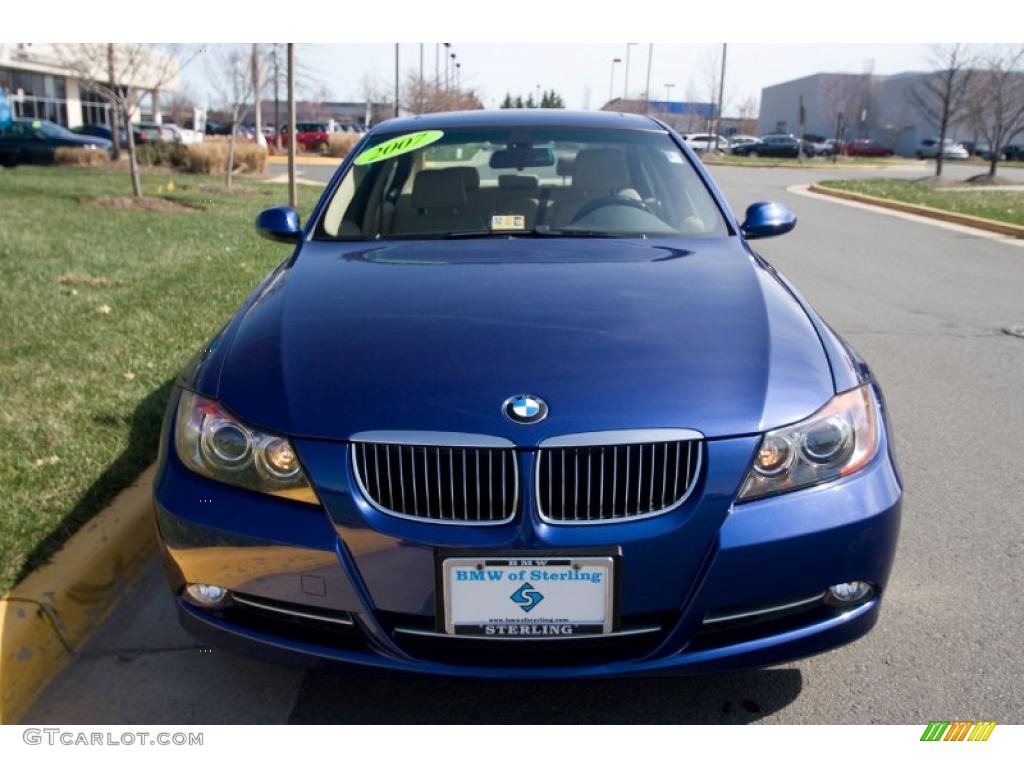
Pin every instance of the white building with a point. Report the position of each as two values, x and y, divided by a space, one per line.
40 83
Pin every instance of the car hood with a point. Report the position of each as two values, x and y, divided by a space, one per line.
436 335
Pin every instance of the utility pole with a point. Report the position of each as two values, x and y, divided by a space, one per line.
647 86
625 85
721 96
293 192
802 115
437 65
396 79
611 85
447 47
115 122
277 107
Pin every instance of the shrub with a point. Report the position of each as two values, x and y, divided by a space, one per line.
162 153
212 157
80 156
340 144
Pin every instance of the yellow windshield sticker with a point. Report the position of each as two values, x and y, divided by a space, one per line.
37 123
399 145
507 222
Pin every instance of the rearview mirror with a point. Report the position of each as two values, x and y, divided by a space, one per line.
767 220
280 224
523 157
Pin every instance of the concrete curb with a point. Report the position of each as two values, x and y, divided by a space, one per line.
977 222
46 616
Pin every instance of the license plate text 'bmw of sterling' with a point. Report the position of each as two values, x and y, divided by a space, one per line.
528 598
523 400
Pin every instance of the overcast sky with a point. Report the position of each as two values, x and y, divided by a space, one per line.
582 72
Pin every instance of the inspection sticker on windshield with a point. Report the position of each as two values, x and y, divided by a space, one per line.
399 145
507 222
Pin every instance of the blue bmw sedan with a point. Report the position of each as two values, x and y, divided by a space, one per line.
524 401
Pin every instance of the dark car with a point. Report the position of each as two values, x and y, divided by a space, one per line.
868 148
483 422
104 132
1013 152
34 141
775 145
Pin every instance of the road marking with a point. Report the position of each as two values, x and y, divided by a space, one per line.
802 189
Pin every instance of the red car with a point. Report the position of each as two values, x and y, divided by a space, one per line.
868 148
312 137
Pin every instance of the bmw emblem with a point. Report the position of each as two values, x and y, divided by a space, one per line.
525 409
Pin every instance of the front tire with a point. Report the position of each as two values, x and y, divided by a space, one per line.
753 155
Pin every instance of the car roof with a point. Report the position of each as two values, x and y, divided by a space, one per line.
517 118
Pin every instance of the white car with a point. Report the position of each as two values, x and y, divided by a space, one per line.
950 150
705 142
740 139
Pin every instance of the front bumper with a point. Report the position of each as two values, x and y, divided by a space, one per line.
364 583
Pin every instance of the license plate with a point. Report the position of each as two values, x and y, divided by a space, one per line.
540 598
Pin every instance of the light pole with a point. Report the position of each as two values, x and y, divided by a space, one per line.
453 68
447 46
625 84
396 79
611 85
458 77
647 87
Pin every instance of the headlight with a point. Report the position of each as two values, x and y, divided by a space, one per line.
212 442
839 439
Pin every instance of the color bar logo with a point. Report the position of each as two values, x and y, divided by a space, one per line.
958 730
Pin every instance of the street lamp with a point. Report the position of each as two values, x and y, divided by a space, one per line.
453 66
447 46
611 85
625 85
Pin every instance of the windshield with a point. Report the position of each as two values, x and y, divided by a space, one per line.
526 182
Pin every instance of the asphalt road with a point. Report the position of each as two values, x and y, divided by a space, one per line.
925 305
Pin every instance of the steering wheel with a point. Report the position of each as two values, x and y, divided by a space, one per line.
604 202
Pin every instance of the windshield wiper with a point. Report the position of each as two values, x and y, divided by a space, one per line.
546 231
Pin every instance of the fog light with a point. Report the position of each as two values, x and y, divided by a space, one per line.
850 592
207 595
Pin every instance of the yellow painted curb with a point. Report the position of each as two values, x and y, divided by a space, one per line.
304 160
48 614
964 219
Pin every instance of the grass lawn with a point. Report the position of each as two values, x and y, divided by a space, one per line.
101 307
986 202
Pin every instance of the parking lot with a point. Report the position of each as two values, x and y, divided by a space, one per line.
925 305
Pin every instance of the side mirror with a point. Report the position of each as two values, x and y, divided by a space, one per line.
280 224
767 220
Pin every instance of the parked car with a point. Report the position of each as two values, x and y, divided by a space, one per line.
831 147
868 148
951 150
468 438
312 137
103 132
706 142
27 141
148 132
812 144
741 139
1013 152
774 145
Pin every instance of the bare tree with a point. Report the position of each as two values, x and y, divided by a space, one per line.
105 68
747 114
231 76
941 95
423 95
995 102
